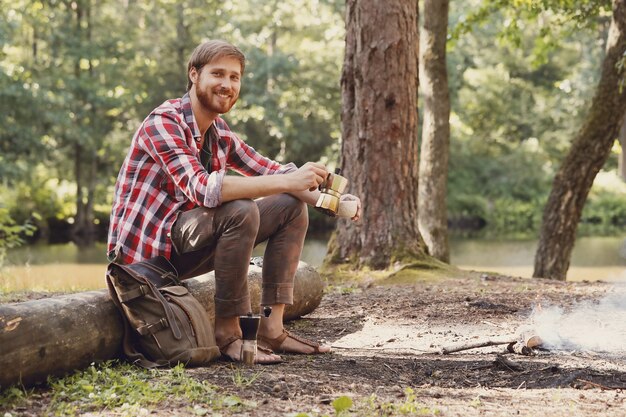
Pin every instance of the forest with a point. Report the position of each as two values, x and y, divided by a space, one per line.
476 118
77 78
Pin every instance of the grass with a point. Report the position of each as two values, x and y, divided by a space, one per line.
124 388
400 272
373 406
409 407
243 378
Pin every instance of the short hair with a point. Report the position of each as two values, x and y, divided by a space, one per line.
209 51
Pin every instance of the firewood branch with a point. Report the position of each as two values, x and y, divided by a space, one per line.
466 346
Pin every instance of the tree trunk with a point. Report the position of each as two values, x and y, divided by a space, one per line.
433 167
621 163
79 219
57 335
83 229
379 123
589 152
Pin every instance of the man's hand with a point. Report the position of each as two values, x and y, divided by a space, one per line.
309 176
350 197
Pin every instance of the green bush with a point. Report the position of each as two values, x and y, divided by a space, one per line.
604 212
514 216
11 233
467 206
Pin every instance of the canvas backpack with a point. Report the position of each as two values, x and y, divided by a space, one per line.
164 324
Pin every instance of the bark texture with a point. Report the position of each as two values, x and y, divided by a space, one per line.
621 164
589 152
379 126
57 335
435 148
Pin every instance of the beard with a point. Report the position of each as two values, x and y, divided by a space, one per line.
212 102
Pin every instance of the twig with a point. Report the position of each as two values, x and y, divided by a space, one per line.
391 369
477 367
595 384
381 349
465 346
507 363
494 324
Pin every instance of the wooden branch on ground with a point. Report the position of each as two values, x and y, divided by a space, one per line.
507 363
472 345
59 334
602 387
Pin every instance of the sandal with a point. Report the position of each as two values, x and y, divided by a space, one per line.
229 358
276 343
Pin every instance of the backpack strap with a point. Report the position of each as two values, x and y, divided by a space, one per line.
127 345
153 328
147 286
133 294
169 313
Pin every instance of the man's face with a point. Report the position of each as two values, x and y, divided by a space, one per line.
218 84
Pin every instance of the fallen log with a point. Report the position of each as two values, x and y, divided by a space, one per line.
56 335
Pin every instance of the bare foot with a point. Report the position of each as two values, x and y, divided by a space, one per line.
286 342
231 349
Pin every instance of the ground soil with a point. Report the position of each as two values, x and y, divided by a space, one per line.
386 338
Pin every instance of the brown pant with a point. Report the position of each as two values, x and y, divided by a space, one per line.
222 239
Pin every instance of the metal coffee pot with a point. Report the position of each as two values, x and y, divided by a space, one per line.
331 190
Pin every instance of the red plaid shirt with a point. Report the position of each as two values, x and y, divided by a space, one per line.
162 175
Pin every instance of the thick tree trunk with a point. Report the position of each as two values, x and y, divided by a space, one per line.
435 148
379 123
57 335
588 154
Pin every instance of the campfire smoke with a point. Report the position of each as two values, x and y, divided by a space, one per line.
598 326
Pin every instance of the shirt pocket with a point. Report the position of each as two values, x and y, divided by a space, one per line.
168 185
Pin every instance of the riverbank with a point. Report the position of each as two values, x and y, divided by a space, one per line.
385 339
67 267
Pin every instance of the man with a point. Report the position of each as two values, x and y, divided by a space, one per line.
173 199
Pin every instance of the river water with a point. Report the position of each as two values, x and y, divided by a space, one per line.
67 267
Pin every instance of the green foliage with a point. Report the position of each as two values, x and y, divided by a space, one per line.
604 211
242 378
11 233
374 406
38 195
109 386
124 389
522 73
510 216
410 406
342 405
290 104
76 79
499 170
557 17
467 206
